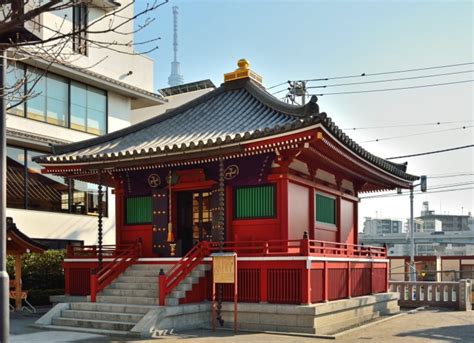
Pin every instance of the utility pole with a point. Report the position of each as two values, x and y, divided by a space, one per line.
423 187
4 280
297 89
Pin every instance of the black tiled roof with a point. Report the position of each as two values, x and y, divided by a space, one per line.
237 111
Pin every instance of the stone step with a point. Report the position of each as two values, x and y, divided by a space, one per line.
106 316
184 286
165 267
130 292
112 299
137 279
133 285
171 301
177 294
94 324
142 273
114 308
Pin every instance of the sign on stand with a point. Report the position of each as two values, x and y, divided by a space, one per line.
224 270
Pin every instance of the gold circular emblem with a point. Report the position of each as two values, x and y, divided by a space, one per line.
231 172
154 180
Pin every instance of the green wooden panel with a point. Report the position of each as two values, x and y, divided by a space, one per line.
139 210
255 202
325 209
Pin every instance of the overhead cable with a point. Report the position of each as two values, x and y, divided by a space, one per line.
432 152
417 134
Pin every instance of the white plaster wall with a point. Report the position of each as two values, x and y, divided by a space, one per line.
119 111
174 101
101 60
41 224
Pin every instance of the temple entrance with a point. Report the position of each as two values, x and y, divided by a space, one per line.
194 218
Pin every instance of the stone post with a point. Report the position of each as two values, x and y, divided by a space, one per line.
464 297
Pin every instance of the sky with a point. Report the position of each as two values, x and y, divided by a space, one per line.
294 40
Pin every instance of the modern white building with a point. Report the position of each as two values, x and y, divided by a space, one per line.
376 226
92 91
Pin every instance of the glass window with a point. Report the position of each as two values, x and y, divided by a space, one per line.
15 177
85 198
79 41
45 192
28 188
36 90
138 210
326 209
15 79
57 98
88 109
254 202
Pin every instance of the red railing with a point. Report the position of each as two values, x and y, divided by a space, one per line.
123 256
168 281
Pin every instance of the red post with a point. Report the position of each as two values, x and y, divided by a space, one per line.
326 281
263 284
69 250
349 279
93 285
306 284
162 287
304 245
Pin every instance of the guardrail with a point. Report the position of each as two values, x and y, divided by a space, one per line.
435 294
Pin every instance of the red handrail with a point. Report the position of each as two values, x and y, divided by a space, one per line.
168 281
124 257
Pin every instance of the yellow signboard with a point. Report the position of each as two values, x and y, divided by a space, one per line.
223 267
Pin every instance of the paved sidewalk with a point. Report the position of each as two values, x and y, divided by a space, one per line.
424 326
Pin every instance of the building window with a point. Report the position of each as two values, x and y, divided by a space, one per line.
79 39
28 188
56 100
138 210
325 208
48 98
15 89
254 202
88 109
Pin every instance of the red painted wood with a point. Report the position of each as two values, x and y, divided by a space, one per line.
317 285
361 281
337 283
285 286
79 281
379 284
200 291
298 210
248 287
346 226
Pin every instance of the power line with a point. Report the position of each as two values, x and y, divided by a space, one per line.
391 80
445 176
395 89
389 72
405 194
417 134
408 125
432 152
377 74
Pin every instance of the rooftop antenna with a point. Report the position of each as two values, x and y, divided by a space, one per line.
175 78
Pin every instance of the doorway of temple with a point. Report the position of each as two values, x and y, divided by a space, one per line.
194 218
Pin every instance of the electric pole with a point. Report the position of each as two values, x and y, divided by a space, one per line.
423 187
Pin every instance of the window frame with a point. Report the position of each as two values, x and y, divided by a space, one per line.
125 212
330 196
69 182
275 207
79 39
69 81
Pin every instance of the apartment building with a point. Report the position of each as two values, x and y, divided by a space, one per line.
92 92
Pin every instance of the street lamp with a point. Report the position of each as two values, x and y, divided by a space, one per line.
423 187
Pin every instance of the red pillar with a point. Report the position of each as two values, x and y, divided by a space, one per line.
326 281
349 279
306 285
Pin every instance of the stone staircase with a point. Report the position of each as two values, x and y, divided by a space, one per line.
122 304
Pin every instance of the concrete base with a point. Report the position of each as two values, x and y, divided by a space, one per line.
322 318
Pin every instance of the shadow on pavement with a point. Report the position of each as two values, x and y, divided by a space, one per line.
457 333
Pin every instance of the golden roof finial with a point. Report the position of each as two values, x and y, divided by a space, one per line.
243 72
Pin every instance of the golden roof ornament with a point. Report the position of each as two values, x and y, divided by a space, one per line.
243 72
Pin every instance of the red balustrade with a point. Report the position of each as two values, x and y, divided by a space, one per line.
123 256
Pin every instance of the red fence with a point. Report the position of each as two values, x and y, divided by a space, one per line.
286 281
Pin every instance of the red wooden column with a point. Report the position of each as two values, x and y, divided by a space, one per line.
119 212
326 281
306 274
349 279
